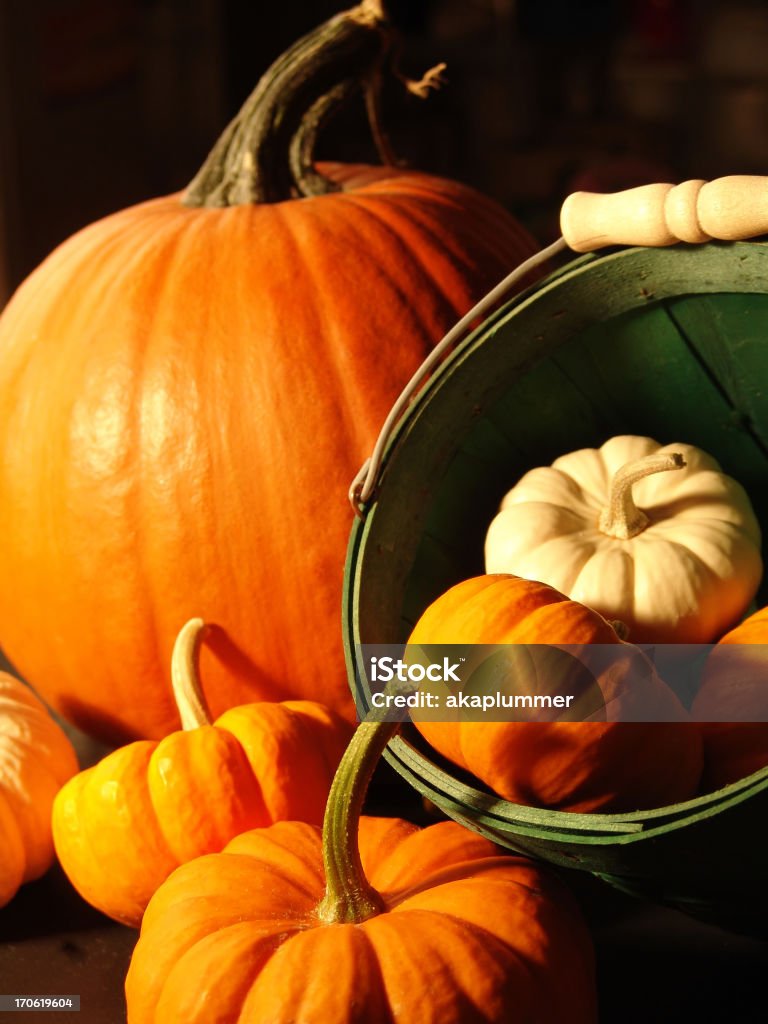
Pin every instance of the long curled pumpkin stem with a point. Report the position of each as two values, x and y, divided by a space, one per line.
349 897
266 153
187 691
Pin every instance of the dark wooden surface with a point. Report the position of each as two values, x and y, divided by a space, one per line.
53 943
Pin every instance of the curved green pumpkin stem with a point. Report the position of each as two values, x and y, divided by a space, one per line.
266 154
349 897
185 679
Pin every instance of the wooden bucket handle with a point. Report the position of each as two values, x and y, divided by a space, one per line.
727 209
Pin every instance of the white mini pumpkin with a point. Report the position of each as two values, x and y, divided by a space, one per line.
655 536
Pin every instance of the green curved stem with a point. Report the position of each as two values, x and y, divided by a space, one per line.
265 155
349 897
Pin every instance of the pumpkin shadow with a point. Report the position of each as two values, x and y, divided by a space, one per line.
235 663
234 660
220 656
91 722
50 908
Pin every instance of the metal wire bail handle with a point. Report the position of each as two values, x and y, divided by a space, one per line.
727 209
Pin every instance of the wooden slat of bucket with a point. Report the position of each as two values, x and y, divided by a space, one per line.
729 338
677 400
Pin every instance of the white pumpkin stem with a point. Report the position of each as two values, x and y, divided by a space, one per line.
621 629
187 691
621 518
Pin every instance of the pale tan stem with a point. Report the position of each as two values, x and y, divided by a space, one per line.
621 518
187 691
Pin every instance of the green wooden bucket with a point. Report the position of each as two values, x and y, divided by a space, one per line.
671 343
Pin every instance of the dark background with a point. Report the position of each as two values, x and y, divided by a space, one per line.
106 102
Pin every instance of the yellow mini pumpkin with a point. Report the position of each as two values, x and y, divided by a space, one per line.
655 536
122 826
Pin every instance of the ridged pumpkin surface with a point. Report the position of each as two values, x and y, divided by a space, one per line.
36 758
122 826
467 936
576 766
185 396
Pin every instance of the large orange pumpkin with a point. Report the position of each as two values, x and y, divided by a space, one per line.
187 388
565 765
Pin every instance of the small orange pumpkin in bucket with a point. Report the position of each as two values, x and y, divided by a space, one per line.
576 766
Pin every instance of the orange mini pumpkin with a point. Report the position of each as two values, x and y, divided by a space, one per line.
188 386
735 683
122 826
577 765
36 758
431 926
